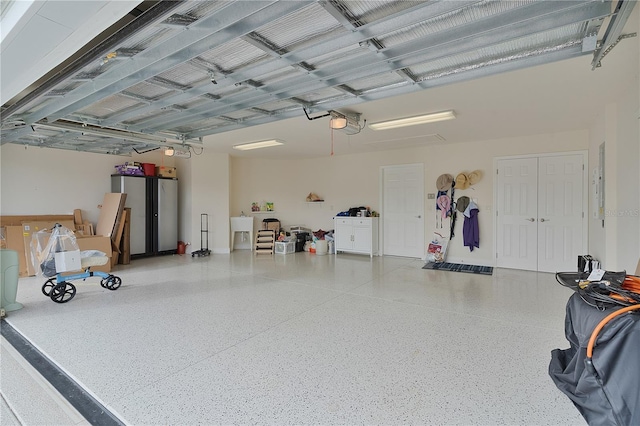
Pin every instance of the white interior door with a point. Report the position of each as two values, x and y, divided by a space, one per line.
540 213
403 210
560 212
517 199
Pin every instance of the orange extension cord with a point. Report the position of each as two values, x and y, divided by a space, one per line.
605 320
630 283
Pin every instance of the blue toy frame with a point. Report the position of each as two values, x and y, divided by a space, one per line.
60 290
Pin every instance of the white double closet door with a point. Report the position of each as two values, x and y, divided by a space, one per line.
540 223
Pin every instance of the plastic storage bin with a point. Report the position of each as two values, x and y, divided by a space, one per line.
285 247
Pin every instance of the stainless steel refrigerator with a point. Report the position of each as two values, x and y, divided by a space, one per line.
154 213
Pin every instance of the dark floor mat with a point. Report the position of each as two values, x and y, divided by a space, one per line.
458 267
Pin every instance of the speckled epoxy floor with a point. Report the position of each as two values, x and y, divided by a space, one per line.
307 339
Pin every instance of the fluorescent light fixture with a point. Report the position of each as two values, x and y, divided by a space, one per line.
412 121
256 145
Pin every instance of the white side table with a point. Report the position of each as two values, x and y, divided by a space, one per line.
242 224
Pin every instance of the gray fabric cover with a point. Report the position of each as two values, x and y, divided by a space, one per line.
609 392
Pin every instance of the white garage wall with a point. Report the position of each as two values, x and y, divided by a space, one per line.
617 244
353 180
38 181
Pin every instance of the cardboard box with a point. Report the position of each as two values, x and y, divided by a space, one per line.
165 171
19 220
110 213
67 261
99 243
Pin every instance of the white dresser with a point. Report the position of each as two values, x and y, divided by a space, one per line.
356 235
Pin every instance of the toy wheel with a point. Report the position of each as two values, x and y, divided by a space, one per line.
63 292
104 282
46 287
113 282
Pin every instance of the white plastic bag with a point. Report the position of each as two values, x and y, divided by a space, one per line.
436 250
46 243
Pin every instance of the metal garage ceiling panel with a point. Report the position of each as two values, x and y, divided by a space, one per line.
378 81
184 75
108 106
278 105
149 91
310 24
362 12
204 8
190 69
148 38
447 21
63 88
233 55
510 50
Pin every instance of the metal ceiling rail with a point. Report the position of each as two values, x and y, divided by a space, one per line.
622 13
235 20
415 15
399 57
115 134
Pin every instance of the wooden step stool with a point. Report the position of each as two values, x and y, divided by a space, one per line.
265 241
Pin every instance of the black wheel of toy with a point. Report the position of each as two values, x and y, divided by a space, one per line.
63 292
46 287
113 282
105 281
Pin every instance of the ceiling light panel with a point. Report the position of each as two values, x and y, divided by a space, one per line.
413 121
257 145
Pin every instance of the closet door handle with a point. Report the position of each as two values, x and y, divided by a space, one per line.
544 220
531 219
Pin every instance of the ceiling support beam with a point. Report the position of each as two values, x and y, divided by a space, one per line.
456 78
428 48
154 14
221 27
420 13
616 24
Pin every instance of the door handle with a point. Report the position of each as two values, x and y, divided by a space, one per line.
544 220
531 219
419 216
